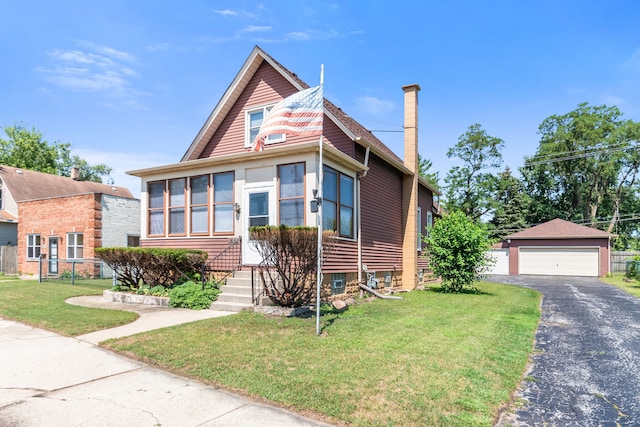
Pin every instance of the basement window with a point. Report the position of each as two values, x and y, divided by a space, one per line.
338 283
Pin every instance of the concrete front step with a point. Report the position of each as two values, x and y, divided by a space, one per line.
238 282
230 306
242 274
229 297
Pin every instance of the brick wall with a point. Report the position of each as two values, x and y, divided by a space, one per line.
57 217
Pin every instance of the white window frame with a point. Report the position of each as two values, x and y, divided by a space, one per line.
31 244
72 243
429 222
271 139
419 221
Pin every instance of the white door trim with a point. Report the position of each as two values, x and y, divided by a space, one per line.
250 255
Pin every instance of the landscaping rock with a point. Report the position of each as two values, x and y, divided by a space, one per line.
350 301
134 298
339 304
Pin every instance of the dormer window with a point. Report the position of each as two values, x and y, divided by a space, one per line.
253 122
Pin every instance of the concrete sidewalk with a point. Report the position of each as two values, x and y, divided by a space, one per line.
48 379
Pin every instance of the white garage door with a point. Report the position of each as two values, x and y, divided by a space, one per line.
559 261
501 257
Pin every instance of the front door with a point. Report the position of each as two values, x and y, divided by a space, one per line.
53 255
259 209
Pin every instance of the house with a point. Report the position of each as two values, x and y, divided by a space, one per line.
557 248
61 220
375 201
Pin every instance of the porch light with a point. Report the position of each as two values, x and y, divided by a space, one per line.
236 207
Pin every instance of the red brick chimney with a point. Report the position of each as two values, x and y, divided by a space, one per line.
75 173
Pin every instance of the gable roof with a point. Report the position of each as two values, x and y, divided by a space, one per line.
346 123
24 184
352 128
559 229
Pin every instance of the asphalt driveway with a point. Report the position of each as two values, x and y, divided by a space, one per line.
586 369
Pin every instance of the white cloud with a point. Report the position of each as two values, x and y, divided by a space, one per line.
240 13
226 12
256 28
374 106
97 68
298 36
159 47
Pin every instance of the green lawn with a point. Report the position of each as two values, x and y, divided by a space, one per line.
432 359
618 279
42 305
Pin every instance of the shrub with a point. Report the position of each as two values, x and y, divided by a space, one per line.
153 266
192 295
290 258
457 247
632 269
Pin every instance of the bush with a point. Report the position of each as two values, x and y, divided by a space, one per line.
457 248
192 295
632 269
290 256
153 266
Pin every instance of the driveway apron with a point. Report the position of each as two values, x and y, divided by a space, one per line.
586 366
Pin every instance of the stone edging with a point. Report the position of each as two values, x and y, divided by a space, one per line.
129 298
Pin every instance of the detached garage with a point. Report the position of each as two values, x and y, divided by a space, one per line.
559 248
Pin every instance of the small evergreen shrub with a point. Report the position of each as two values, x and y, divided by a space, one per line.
632 269
192 295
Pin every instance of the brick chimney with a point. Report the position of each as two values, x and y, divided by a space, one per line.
75 173
410 189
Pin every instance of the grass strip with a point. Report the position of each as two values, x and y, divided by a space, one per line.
432 359
43 305
631 286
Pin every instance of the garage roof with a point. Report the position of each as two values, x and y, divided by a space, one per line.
560 229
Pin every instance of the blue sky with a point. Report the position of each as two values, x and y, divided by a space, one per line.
130 83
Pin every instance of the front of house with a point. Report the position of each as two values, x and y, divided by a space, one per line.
376 203
60 221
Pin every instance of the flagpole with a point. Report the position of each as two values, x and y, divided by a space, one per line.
319 213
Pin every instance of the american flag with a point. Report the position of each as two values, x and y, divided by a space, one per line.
298 114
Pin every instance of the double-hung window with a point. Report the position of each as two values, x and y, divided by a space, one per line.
75 246
176 206
223 202
291 194
156 208
33 246
254 120
338 202
199 204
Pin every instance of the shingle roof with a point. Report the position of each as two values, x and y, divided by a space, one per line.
26 184
559 229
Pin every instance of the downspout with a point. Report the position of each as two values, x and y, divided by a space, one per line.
366 165
377 294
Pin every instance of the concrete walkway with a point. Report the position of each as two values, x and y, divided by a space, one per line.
50 380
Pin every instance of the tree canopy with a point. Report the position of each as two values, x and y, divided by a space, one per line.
26 148
471 187
585 168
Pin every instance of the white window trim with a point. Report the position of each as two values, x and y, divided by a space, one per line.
34 245
419 221
429 222
75 246
271 139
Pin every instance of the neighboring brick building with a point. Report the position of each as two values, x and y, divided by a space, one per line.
62 220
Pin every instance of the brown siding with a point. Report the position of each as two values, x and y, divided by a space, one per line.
265 87
381 201
602 244
343 258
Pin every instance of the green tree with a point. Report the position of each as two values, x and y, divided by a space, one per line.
26 148
512 205
585 168
471 187
424 166
457 247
